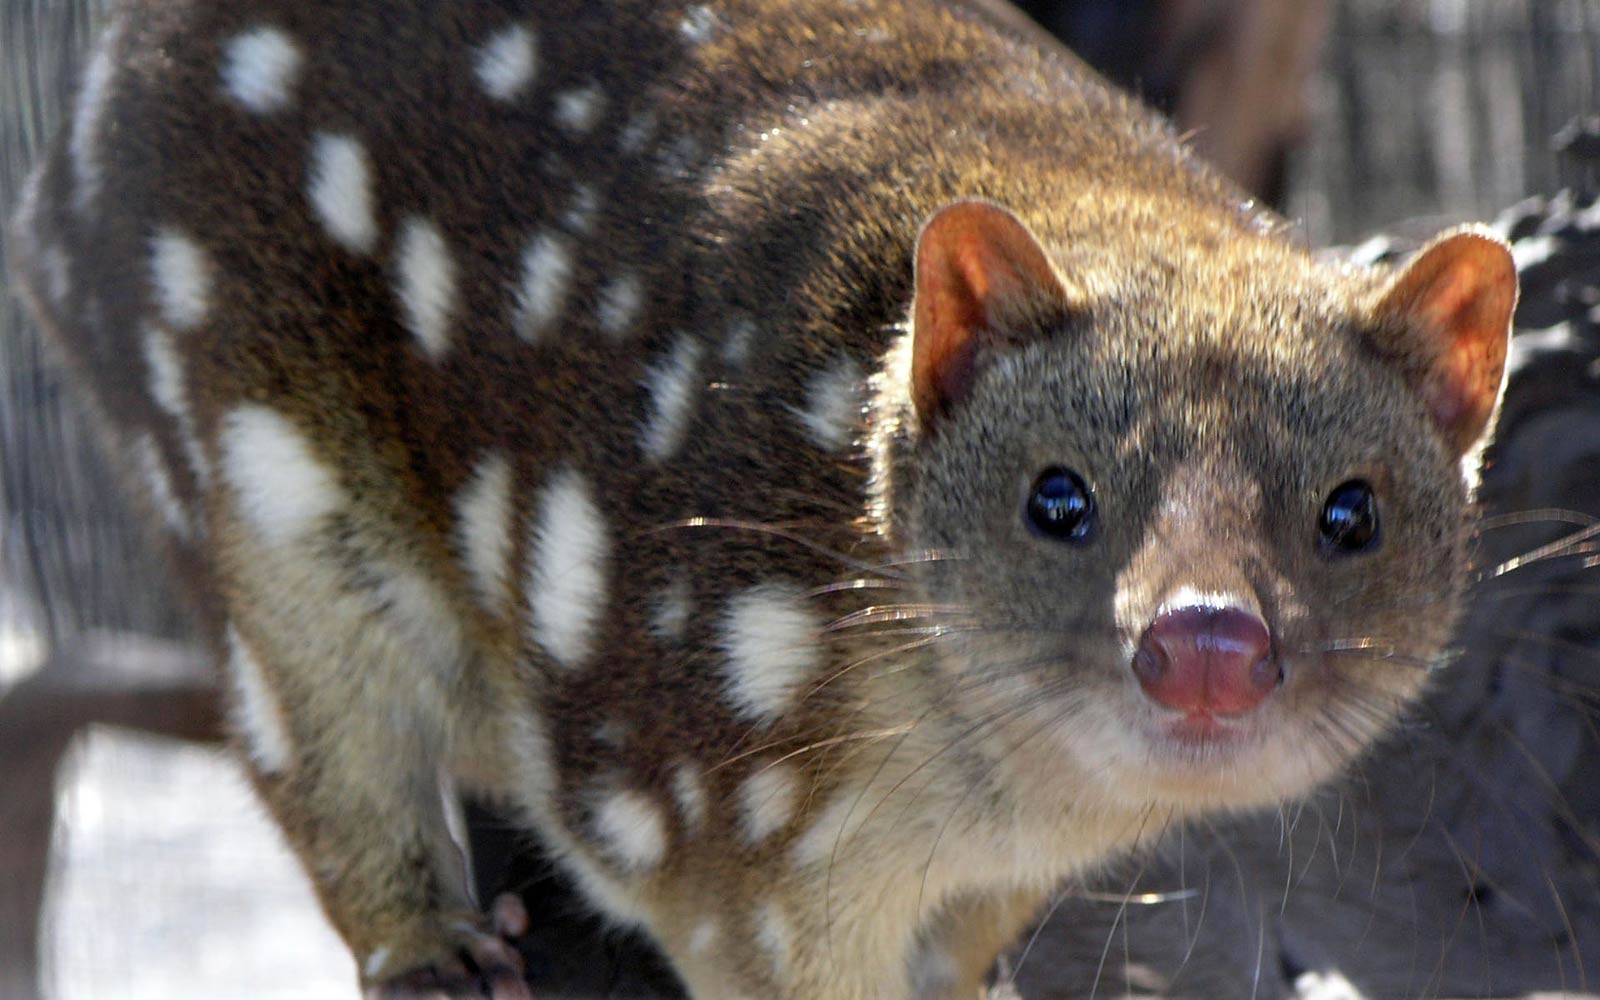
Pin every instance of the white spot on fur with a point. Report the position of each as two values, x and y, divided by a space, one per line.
483 527
57 275
771 645
168 390
88 116
166 373
619 304
259 69
181 273
25 223
341 191
704 937
679 158
688 787
427 284
1326 986
669 612
631 828
637 132
767 801
546 270
255 710
776 937
375 962
508 62
158 482
578 109
579 215
282 488
567 580
833 405
699 24
671 384
614 733
832 829
736 344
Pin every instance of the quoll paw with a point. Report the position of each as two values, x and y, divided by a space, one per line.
466 961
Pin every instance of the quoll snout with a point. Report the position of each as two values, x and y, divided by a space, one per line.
1207 660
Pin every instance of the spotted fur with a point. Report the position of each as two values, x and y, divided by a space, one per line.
541 391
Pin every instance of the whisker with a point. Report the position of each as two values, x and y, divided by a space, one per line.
1539 515
921 556
859 583
1567 545
977 727
1554 641
810 747
1508 593
925 640
1571 935
1374 649
776 531
1066 709
892 613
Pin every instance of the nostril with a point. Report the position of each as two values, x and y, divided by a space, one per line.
1150 660
1208 660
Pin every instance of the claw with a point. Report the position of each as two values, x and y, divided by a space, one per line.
486 967
499 965
508 916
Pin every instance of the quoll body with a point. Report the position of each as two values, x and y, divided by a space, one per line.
833 468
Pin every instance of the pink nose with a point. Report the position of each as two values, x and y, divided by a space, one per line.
1207 661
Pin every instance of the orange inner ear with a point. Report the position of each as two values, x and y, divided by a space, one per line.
1469 378
1456 301
976 265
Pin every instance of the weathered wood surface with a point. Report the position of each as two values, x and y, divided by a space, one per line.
1462 859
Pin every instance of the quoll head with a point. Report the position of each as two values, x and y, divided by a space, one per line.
1206 517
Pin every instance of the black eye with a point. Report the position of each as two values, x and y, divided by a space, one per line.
1061 505
1349 519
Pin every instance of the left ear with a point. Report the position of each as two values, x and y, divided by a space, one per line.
982 280
1447 319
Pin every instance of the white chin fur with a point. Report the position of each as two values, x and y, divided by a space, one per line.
1130 755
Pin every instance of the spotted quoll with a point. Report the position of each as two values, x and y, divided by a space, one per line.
833 468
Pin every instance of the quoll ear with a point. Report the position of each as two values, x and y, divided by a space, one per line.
1447 319
981 279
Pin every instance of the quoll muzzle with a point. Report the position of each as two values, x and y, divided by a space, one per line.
1207 661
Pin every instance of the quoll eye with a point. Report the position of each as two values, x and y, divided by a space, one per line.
1349 519
1061 506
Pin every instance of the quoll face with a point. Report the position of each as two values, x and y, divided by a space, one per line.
1206 553
1196 492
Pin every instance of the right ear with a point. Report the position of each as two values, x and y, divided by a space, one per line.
1447 318
981 277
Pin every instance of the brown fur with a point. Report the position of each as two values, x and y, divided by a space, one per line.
1208 379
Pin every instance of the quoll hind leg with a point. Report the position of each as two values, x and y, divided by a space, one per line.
352 777
386 880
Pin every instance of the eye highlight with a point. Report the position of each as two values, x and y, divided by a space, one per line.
1060 507
1348 523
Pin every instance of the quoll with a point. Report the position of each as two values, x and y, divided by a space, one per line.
832 468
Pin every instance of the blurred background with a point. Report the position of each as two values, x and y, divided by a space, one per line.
1462 861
